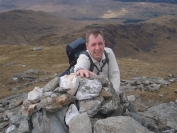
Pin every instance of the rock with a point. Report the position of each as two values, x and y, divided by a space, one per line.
80 124
28 75
47 122
131 98
172 80
136 117
15 88
172 125
35 95
70 81
111 106
61 90
163 113
15 119
11 129
15 103
119 124
53 103
144 84
2 109
3 125
175 91
48 114
24 127
105 94
51 85
71 113
90 106
37 48
100 78
9 64
88 89
33 108
7 114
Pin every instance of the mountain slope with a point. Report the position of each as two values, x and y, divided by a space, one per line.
22 27
131 39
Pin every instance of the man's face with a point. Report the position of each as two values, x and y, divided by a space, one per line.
95 46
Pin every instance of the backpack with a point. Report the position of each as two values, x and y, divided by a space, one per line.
74 49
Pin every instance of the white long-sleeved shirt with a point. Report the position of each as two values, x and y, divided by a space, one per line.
110 71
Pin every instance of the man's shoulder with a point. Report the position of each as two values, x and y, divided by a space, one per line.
108 50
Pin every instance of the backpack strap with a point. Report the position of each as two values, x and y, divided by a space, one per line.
92 65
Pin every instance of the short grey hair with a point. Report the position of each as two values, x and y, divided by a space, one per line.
95 33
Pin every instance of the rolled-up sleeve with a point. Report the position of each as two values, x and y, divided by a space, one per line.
82 63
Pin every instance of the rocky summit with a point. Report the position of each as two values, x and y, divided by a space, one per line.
71 104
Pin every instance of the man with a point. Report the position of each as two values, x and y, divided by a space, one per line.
95 44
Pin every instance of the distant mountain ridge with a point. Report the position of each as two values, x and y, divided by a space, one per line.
96 9
23 27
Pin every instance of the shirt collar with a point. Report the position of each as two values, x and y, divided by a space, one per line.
95 61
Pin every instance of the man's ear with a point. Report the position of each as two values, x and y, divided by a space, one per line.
86 45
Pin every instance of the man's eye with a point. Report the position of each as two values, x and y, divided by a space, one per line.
93 45
100 44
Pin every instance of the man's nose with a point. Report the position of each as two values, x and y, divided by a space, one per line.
97 47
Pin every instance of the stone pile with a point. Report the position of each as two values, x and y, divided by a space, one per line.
81 105
147 84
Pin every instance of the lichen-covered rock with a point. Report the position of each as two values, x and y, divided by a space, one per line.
91 106
88 89
111 106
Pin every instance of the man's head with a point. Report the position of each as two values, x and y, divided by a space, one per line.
95 43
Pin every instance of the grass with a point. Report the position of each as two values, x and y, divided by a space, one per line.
53 60
49 61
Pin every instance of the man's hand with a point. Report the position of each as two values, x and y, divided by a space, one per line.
84 73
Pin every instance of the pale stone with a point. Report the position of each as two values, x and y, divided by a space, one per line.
33 108
35 95
71 113
11 129
69 81
131 98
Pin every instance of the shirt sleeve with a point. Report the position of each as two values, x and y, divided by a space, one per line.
82 63
114 73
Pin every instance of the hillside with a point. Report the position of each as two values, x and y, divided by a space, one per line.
153 36
23 27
